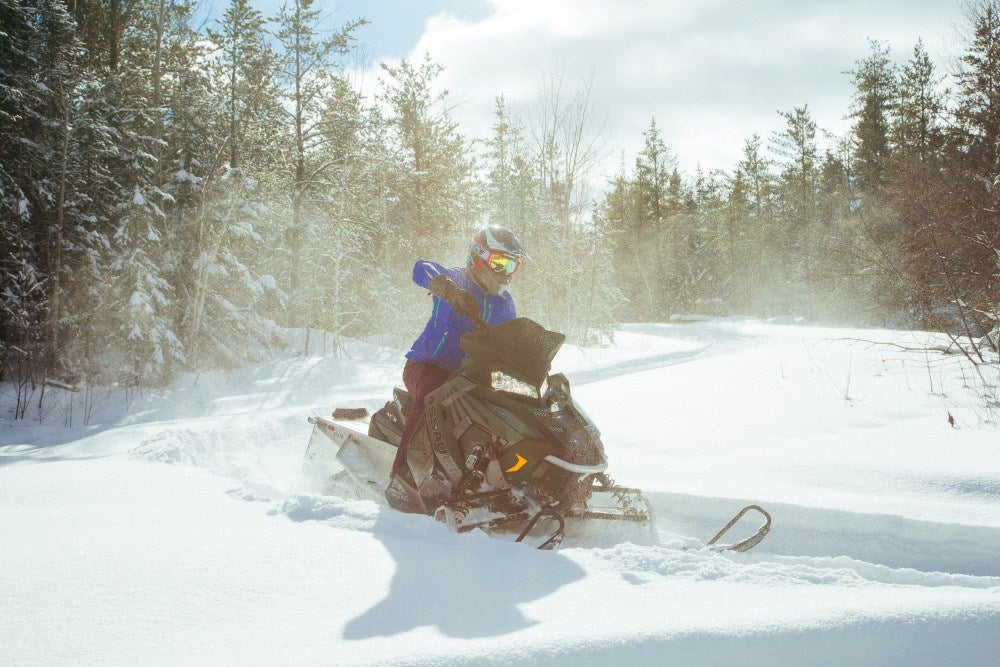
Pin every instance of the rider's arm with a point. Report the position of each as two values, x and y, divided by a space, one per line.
424 270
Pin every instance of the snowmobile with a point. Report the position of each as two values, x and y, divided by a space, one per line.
500 447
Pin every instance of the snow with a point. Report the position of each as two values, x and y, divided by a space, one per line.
175 526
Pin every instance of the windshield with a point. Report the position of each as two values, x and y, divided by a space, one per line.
521 348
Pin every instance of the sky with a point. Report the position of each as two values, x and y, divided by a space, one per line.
711 73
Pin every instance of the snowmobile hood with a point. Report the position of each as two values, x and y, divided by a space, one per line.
519 347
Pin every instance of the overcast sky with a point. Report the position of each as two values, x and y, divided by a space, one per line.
712 72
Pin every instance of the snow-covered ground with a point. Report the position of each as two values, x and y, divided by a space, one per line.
175 527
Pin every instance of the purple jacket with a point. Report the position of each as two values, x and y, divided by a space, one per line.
439 342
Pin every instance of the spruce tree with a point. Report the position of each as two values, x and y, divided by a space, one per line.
512 188
796 146
797 203
654 232
919 105
41 80
875 87
354 173
435 191
221 235
307 60
979 89
969 258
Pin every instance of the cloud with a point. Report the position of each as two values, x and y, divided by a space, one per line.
712 73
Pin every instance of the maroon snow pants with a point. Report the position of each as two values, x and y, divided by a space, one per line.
420 379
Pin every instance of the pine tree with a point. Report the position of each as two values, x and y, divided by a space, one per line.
979 89
307 61
244 69
142 296
222 189
797 205
653 166
875 92
511 185
653 233
797 146
752 232
40 81
436 187
354 198
755 169
919 105
968 259
697 275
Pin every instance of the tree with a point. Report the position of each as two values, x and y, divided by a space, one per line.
648 235
435 190
512 187
916 132
355 200
40 78
653 166
973 272
797 202
565 144
875 89
306 64
244 70
223 190
755 170
796 144
979 89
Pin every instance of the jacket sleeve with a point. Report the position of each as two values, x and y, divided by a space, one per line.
424 270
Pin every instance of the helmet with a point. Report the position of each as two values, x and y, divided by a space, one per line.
494 256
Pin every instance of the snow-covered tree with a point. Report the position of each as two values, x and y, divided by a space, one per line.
308 60
225 145
355 182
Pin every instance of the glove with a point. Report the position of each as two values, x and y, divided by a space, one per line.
463 302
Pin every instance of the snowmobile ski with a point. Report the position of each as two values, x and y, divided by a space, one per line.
750 542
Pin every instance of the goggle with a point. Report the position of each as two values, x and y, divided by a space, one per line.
501 262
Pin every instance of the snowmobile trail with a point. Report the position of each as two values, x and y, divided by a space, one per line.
664 347
581 378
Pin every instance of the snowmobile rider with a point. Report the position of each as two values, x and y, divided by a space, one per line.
465 298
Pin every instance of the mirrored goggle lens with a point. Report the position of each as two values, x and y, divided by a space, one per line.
503 263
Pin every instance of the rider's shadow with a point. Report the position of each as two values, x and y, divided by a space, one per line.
466 585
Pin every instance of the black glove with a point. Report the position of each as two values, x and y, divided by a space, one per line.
463 302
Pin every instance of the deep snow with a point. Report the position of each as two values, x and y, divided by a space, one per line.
176 528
